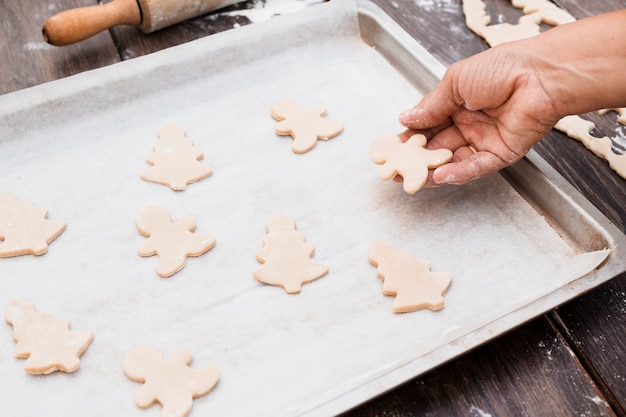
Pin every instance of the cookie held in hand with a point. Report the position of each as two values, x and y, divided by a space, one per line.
409 159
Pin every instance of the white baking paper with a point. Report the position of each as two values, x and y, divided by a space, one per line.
77 146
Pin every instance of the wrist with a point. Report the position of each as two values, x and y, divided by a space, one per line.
581 64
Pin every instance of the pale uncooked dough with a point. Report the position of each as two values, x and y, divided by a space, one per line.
621 111
48 344
578 128
408 278
175 161
170 382
286 257
409 159
535 12
305 126
25 229
173 242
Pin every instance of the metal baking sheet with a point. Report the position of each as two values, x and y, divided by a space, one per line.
77 146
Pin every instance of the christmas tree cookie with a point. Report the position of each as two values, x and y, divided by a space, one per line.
286 257
175 161
408 278
25 229
47 344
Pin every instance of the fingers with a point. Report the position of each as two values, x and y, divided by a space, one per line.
435 108
466 165
475 166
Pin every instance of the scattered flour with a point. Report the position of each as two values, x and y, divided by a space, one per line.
478 412
36 46
598 400
447 6
266 9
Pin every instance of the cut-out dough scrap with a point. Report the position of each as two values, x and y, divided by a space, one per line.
25 229
173 242
409 279
621 111
550 13
286 258
305 126
175 161
47 344
535 12
578 128
409 159
170 382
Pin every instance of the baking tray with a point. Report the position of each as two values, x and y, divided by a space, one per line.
77 146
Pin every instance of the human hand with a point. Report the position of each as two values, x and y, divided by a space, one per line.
488 110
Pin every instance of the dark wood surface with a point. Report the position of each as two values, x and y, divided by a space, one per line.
569 362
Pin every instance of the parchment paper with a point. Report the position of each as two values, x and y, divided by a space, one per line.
77 147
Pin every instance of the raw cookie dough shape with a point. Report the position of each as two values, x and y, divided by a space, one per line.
286 258
621 111
173 242
409 279
305 126
170 382
25 229
175 161
410 159
535 12
578 128
47 344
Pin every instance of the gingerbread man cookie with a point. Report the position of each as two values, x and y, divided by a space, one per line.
175 161
286 257
47 344
25 229
305 126
170 382
173 242
410 159
409 279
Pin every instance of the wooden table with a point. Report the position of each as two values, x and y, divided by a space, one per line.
571 361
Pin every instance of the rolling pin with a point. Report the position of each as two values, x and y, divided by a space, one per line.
75 25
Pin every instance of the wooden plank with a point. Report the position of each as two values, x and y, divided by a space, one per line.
596 325
438 26
28 60
529 372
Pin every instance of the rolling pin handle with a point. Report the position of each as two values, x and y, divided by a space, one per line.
75 25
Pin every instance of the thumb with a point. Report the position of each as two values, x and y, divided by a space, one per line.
434 109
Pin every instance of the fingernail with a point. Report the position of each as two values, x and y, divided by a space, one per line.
440 177
409 115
